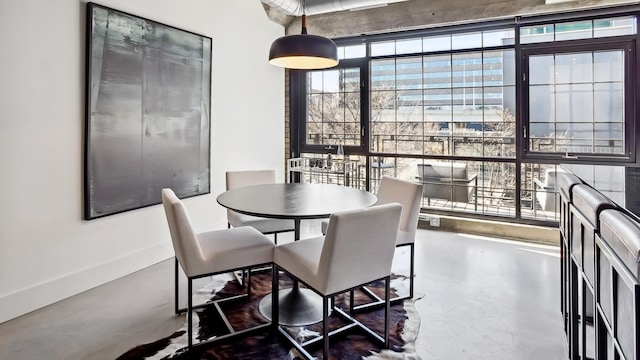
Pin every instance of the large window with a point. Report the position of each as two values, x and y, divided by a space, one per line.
484 115
458 104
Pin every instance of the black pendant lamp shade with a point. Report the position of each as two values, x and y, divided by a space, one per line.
304 51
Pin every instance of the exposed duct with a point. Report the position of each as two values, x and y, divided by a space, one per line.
314 7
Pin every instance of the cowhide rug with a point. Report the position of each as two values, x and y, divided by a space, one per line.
242 314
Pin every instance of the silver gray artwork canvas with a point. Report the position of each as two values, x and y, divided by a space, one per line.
148 112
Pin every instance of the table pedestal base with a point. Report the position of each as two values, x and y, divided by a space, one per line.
297 307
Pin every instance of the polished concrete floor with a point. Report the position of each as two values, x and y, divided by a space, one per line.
484 298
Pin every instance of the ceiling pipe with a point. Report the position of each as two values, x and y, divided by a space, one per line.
314 7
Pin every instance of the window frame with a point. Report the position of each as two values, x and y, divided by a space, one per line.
299 110
626 43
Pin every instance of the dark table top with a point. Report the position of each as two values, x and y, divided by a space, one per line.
295 201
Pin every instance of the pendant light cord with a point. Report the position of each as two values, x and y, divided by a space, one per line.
304 18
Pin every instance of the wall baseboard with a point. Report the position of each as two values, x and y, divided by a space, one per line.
501 229
46 293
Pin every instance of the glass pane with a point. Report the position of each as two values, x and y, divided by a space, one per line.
409 144
541 130
350 80
466 40
539 191
496 187
332 109
331 81
574 68
615 26
493 98
509 100
436 101
608 131
435 145
409 73
410 106
541 103
574 30
499 123
352 108
498 68
467 69
467 99
436 43
383 74
383 105
535 34
574 103
509 67
608 65
389 143
314 82
578 137
541 69
608 102
383 48
467 146
355 51
437 71
498 37
408 46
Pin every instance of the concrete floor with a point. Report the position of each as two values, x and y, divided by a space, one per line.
485 298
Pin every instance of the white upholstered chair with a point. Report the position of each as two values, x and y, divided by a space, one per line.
358 249
236 179
210 253
409 195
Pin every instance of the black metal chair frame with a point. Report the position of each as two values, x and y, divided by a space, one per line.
328 303
242 275
377 301
233 334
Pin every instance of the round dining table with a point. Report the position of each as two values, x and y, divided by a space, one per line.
296 201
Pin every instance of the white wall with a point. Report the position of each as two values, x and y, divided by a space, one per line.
47 252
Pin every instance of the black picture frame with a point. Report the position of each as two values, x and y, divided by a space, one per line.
148 112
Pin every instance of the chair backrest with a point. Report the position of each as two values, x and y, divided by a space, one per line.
359 247
242 178
185 242
407 194
236 179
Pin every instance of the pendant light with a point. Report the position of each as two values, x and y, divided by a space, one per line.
304 51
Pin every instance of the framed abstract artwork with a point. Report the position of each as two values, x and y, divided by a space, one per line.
148 112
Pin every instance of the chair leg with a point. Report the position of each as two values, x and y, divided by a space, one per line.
176 286
189 315
411 270
275 238
352 295
325 327
248 284
275 303
387 308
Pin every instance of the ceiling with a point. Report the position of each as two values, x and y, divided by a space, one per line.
284 11
314 7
